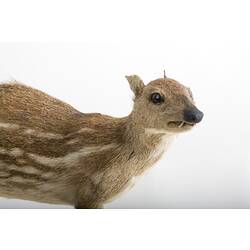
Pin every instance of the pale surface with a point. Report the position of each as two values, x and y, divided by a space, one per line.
206 168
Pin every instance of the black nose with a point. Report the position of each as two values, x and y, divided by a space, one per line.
193 115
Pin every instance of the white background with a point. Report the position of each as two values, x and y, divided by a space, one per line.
206 168
204 44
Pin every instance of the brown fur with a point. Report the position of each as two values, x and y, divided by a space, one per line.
50 152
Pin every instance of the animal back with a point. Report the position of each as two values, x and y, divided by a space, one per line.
25 106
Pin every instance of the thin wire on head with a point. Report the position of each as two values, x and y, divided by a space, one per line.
165 74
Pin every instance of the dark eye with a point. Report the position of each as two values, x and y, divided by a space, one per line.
157 98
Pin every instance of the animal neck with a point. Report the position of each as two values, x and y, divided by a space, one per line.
145 140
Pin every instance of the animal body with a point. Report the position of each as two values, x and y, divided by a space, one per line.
52 153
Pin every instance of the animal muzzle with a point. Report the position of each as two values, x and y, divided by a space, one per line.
193 115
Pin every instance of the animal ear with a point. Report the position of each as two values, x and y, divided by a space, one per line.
136 84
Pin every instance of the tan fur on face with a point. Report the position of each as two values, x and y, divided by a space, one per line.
177 99
50 152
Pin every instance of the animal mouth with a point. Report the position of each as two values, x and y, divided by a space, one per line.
180 124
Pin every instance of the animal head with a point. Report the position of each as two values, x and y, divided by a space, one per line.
163 105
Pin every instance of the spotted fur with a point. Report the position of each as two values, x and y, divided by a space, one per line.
50 152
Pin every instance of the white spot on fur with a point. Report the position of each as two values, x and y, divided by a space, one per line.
20 179
71 158
82 130
73 141
12 152
29 170
9 125
48 175
164 144
3 151
16 152
153 131
43 134
21 161
96 179
12 167
24 169
17 179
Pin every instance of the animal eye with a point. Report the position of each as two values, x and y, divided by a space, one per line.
157 98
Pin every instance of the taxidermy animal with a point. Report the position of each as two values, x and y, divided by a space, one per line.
52 153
